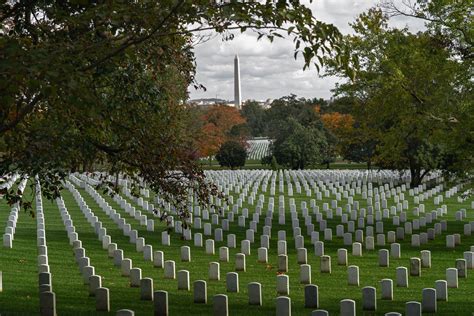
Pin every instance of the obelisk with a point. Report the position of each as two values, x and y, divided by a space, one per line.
237 96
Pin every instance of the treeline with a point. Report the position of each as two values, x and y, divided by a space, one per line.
105 84
304 133
405 101
219 127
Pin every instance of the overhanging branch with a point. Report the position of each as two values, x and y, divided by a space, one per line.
131 42
21 114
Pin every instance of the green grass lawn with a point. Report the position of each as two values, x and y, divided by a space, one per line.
20 281
257 164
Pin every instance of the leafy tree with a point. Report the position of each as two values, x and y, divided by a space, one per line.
220 123
347 138
451 23
450 20
339 133
240 133
329 149
104 83
404 82
360 147
342 105
274 163
270 161
300 109
298 133
255 117
211 138
232 154
223 117
339 124
298 146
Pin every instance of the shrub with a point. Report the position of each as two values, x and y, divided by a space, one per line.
231 154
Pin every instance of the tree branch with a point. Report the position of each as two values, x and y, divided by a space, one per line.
136 41
393 10
237 27
424 173
21 115
9 13
107 149
413 94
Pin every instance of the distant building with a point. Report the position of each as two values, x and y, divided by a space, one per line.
208 102
263 104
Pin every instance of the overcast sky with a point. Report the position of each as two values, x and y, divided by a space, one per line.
268 70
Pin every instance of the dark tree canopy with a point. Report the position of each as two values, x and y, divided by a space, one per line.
256 118
104 83
232 154
451 24
299 139
450 21
299 146
302 110
411 97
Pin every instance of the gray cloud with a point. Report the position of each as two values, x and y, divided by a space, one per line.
268 70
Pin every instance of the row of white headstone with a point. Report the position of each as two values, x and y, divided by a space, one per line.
405 268
10 227
282 277
183 275
348 181
209 243
198 236
258 148
7 181
45 282
125 264
146 284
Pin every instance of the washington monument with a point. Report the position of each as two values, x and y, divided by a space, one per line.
237 96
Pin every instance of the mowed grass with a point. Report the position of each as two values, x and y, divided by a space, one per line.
20 281
257 164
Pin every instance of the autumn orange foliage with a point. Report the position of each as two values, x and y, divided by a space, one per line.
217 122
339 124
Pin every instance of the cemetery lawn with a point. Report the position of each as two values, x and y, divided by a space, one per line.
257 164
20 279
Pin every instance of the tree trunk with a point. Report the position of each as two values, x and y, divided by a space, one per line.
301 165
182 230
369 164
116 180
415 174
327 165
